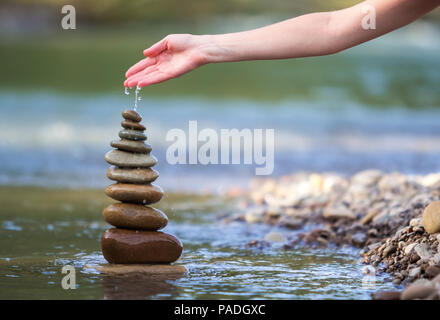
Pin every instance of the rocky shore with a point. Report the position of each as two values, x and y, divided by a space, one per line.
392 218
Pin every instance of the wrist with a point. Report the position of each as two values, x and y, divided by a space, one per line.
211 49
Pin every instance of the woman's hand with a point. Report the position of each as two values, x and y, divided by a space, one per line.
171 57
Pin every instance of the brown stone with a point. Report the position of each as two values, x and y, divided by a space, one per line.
418 291
132 175
431 217
134 216
135 193
131 146
132 125
131 115
387 295
432 271
138 247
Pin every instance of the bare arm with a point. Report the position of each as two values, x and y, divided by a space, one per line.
304 36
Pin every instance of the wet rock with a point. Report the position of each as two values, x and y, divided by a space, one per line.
132 135
432 271
131 146
274 237
137 269
291 223
134 216
418 290
131 115
132 125
409 248
431 217
415 272
387 295
359 238
127 159
422 251
124 246
389 250
132 175
135 193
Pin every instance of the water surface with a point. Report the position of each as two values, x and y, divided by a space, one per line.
52 228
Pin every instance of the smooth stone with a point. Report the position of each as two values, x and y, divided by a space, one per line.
135 193
387 295
131 115
274 237
422 251
431 217
132 135
134 216
131 146
132 175
127 159
132 125
432 271
418 290
137 247
124 269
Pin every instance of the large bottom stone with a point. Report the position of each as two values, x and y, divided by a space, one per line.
139 247
134 216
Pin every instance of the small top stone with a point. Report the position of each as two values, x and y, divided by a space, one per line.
131 115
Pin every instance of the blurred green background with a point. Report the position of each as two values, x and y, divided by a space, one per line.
35 53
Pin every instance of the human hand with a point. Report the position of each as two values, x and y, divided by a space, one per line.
169 58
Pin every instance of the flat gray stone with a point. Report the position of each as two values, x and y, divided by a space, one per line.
132 135
130 145
132 160
132 175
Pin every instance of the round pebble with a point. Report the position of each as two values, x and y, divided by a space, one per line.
131 115
134 216
127 159
135 175
132 125
132 135
431 217
135 193
131 146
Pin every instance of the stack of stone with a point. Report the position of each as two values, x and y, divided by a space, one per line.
136 238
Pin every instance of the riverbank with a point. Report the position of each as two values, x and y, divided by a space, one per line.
379 213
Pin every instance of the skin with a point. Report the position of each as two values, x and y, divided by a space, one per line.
314 34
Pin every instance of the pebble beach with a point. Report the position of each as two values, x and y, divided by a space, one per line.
393 219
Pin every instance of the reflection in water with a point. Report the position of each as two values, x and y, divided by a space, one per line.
138 286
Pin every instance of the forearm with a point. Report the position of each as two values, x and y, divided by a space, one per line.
314 34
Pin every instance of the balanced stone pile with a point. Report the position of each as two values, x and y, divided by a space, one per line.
136 239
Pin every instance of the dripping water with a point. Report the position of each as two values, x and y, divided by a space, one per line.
136 97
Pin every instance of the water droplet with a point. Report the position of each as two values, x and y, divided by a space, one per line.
136 97
126 91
